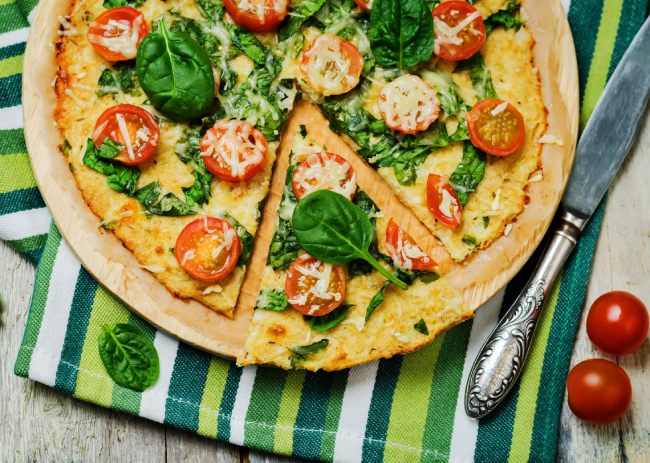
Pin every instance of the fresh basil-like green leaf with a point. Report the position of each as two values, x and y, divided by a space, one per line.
122 78
212 10
168 205
429 277
109 4
470 240
272 299
129 357
330 320
120 178
366 204
65 147
175 73
303 131
284 247
401 32
250 45
302 10
376 300
480 76
245 238
409 276
469 172
109 149
421 326
331 228
312 348
486 221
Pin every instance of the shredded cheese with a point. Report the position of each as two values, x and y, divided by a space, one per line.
408 101
328 68
212 289
495 203
153 269
123 37
550 139
508 229
83 87
448 206
325 173
125 134
500 108
449 35
79 103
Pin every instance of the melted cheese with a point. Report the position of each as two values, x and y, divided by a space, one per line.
327 174
407 101
448 206
123 37
328 68
499 109
320 289
449 35
125 134
260 7
228 238
234 148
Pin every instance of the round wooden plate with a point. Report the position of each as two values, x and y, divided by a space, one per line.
117 269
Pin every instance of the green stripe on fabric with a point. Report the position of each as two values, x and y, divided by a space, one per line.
410 403
12 141
12 18
333 415
446 384
633 14
31 243
15 173
10 89
530 381
186 388
263 408
215 385
11 66
93 382
27 6
7 2
39 298
495 430
283 442
148 330
584 24
20 200
16 49
228 401
600 63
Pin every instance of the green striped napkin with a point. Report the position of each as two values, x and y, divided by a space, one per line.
408 408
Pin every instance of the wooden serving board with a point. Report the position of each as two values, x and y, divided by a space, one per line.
478 278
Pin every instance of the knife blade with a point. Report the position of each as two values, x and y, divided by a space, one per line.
605 142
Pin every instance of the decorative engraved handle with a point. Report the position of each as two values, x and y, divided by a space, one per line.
503 355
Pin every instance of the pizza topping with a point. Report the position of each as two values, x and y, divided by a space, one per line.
208 249
459 30
116 33
257 15
365 5
234 150
496 127
130 126
331 65
314 287
404 250
443 201
408 104
324 171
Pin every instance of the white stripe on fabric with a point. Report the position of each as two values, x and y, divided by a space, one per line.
242 400
14 37
350 435
154 399
49 345
11 118
24 224
463 438
566 4
30 16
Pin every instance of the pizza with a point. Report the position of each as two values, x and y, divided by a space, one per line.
172 114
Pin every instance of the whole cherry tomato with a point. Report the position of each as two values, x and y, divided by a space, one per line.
617 323
599 391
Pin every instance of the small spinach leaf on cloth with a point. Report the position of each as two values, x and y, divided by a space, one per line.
480 76
330 320
401 32
175 73
312 348
421 326
272 299
469 172
120 178
129 357
331 228
376 300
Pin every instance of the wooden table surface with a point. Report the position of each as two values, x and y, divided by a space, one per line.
38 423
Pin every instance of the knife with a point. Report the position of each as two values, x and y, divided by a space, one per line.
603 146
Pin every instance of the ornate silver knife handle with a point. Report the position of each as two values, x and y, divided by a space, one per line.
504 353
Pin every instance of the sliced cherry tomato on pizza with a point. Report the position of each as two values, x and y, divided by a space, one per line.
496 127
599 391
404 250
324 171
331 65
617 323
458 29
443 201
365 5
408 104
116 33
314 287
208 249
131 126
234 150
257 15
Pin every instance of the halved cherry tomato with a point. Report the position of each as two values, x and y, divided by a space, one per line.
208 249
617 323
408 104
324 171
234 150
404 250
142 129
116 33
443 201
331 65
599 391
496 127
257 15
365 5
458 29
314 287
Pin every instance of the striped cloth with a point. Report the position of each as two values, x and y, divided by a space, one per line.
408 408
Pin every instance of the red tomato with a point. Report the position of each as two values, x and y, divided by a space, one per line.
310 294
116 33
141 127
257 15
331 65
457 36
617 323
404 250
234 150
418 114
599 391
363 4
208 249
324 171
443 201
496 127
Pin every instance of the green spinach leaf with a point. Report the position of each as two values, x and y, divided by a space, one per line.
366 204
486 221
272 299
129 357
480 76
470 240
330 320
469 172
65 147
302 10
120 178
409 276
109 149
421 326
168 205
123 77
376 300
245 238
312 348
109 4
212 10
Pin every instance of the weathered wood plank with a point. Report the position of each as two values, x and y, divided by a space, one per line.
186 447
